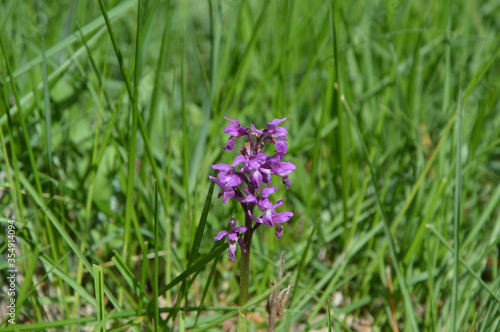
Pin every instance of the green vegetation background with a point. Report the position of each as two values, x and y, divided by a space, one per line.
111 113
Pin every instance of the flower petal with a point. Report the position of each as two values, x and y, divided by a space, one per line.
232 250
242 244
236 122
232 130
286 182
240 229
232 237
280 132
264 204
261 155
227 194
220 235
274 123
232 223
266 178
255 130
229 145
279 231
254 163
282 217
267 218
256 178
218 182
275 160
233 180
281 147
222 167
277 204
284 169
249 199
238 160
256 219
267 191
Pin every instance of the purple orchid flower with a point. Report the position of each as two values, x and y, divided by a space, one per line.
232 238
227 179
276 134
269 216
275 167
234 130
251 164
283 170
243 179
276 219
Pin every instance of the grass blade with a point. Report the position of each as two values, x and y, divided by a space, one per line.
456 226
155 268
99 294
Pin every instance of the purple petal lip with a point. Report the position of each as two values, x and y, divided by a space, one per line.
232 250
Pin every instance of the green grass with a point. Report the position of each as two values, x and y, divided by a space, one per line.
111 114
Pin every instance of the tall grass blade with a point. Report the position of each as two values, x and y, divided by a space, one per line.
46 99
99 295
155 267
456 226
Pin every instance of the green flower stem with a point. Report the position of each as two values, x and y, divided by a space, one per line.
245 273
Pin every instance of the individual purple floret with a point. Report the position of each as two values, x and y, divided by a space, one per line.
234 130
243 180
232 238
277 134
228 179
